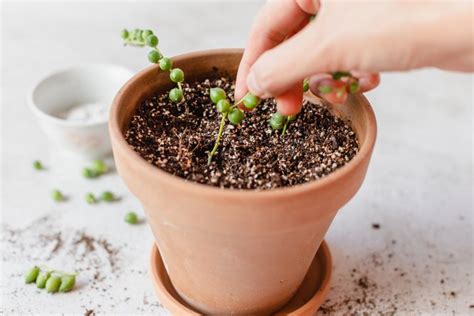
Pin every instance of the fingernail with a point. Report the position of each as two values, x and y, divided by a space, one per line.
255 88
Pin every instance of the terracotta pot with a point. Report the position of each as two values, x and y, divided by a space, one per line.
239 252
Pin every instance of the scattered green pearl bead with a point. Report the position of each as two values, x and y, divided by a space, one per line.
67 283
146 33
223 106
175 95
53 284
177 75
38 165
99 166
90 198
43 276
236 116
151 41
108 196
250 101
166 63
131 218
89 173
125 34
57 196
154 56
32 274
217 94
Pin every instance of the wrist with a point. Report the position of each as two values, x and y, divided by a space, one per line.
442 37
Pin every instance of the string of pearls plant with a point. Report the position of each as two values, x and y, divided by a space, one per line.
229 112
233 113
218 96
141 38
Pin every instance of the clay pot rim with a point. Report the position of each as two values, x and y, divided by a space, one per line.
194 187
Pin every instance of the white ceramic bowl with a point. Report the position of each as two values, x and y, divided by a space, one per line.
67 89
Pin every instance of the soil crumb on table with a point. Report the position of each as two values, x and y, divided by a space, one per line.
178 137
376 226
89 312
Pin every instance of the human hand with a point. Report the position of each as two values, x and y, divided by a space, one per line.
364 38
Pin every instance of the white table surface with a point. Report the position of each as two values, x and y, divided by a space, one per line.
418 188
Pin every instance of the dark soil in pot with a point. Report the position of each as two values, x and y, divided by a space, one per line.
178 137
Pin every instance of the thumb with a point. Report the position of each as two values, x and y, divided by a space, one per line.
281 68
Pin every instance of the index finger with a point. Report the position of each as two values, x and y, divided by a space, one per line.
275 22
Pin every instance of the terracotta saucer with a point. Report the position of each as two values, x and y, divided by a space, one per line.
306 301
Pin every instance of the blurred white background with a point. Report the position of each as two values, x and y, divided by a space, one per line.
419 186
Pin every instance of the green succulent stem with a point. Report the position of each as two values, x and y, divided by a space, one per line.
284 128
222 125
218 139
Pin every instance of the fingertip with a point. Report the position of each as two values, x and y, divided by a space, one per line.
254 87
335 98
241 82
315 80
369 82
290 102
309 6
333 91
239 92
